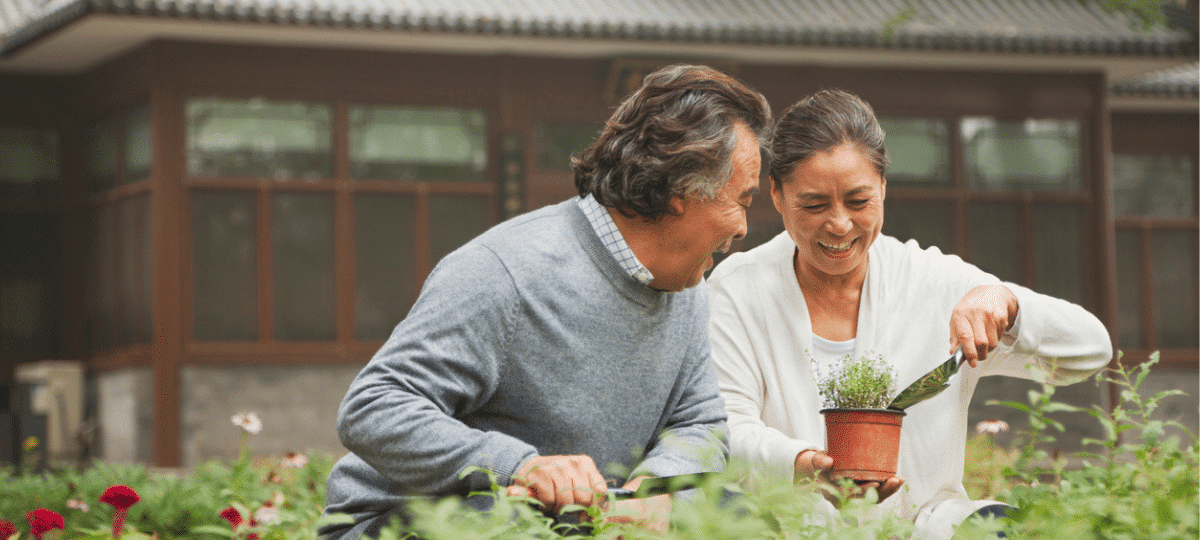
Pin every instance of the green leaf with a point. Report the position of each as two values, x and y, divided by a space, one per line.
212 529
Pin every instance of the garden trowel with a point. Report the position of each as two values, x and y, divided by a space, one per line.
930 384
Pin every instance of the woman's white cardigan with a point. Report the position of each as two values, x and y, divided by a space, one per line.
762 338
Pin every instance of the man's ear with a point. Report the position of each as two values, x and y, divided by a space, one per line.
675 204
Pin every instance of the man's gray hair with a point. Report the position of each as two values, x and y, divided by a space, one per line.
673 137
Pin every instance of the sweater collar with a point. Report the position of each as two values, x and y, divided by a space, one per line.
604 260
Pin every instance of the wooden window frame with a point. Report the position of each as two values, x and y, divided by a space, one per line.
961 197
118 354
346 347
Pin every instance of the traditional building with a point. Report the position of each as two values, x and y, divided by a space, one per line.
216 206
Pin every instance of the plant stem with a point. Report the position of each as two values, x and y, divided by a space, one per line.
118 523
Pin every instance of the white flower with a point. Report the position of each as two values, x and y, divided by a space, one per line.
267 515
292 460
991 427
77 504
248 422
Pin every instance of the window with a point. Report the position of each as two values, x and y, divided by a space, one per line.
1016 209
117 160
28 164
292 241
1154 197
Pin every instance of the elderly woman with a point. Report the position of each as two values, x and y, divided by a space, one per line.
832 286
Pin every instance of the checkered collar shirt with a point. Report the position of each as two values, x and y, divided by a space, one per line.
607 230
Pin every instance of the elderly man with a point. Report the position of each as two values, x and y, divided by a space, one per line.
569 344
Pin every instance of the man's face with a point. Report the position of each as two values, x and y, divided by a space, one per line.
701 228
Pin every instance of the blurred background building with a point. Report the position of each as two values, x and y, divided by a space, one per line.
216 206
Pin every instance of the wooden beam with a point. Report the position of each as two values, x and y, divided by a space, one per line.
168 230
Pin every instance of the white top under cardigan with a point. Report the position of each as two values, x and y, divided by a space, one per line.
762 340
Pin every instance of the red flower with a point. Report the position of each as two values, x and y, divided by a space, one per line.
42 520
121 498
7 529
232 515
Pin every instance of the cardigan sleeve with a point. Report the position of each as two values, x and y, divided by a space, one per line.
740 376
1056 341
401 413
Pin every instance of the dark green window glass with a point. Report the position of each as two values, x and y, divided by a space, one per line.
28 163
280 140
1022 155
385 270
919 149
1154 186
418 143
302 266
224 272
556 142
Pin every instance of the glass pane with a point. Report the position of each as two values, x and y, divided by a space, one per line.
919 149
1129 289
146 285
385 278
127 270
1154 186
28 163
138 145
996 239
30 267
1032 154
302 266
1058 251
224 272
1175 280
453 221
103 319
418 143
132 267
282 140
99 157
556 142
929 222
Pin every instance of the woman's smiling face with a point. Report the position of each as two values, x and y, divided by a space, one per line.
832 206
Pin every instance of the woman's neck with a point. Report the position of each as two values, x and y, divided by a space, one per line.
832 300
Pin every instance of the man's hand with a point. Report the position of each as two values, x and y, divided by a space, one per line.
979 319
560 481
814 464
653 513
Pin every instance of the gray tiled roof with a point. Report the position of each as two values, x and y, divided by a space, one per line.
1179 81
1040 26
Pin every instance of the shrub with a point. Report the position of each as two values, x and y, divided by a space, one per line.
866 383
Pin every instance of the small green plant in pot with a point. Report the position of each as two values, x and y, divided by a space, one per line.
861 434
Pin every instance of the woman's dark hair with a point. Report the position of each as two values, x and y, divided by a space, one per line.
673 137
822 122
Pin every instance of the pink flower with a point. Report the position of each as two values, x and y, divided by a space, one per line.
292 460
991 427
121 497
267 514
7 529
75 504
248 422
43 520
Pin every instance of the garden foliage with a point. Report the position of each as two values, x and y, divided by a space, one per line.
1137 482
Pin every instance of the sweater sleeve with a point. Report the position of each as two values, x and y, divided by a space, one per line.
1060 342
696 434
401 414
740 377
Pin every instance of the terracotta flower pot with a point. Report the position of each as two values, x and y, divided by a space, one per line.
864 443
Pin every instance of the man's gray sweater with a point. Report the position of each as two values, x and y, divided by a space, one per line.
530 340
